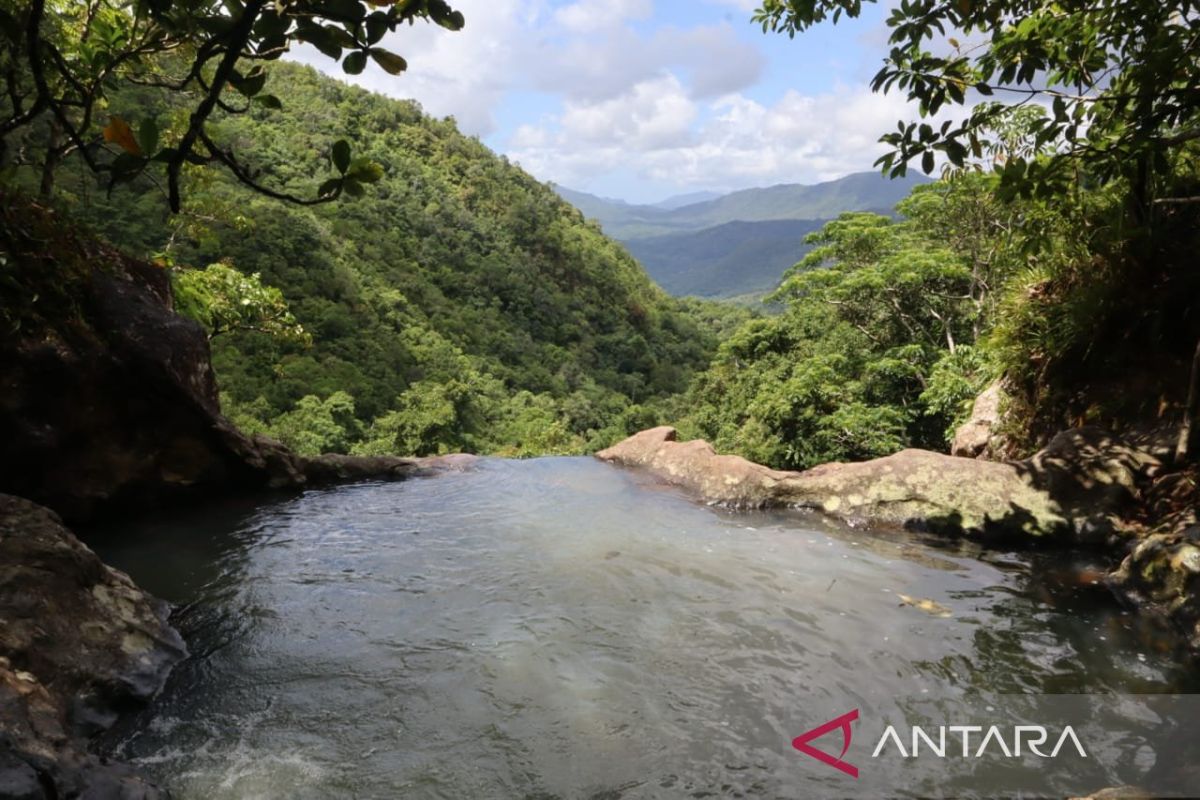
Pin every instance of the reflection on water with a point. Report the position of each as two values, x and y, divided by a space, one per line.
559 628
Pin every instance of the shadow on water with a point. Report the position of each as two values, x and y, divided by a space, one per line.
196 561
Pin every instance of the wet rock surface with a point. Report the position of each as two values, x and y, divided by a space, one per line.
1161 575
79 645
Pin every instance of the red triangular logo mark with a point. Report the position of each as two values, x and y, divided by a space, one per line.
801 743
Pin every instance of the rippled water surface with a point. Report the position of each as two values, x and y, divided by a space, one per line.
558 628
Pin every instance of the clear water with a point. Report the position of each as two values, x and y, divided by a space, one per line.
558 628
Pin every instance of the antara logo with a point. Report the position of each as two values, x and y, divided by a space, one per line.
1024 738
801 743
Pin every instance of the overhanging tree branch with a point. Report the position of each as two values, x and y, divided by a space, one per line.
243 175
238 37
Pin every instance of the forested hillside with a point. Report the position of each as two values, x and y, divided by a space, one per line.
738 243
724 260
891 327
460 305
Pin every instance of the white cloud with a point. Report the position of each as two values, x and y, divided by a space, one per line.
739 143
653 115
585 51
667 106
588 16
464 74
711 60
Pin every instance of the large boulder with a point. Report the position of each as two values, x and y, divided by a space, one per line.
79 644
107 396
720 479
931 491
1083 476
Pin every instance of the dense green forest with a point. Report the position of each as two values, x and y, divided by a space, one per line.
892 327
449 301
461 306
1056 254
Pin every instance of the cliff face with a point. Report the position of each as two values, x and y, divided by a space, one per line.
108 402
107 399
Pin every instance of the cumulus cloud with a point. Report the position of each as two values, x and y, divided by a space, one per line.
667 105
584 51
711 60
588 16
465 74
739 142
653 115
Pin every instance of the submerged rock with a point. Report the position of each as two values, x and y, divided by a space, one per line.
1162 575
930 607
79 645
1082 477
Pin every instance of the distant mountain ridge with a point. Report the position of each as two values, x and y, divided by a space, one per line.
681 200
733 244
725 260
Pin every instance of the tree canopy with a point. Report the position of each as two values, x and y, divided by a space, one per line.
1121 81
464 306
61 60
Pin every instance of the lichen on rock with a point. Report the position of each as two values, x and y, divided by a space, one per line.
1083 476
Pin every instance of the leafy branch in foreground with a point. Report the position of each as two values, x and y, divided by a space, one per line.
60 59
1121 82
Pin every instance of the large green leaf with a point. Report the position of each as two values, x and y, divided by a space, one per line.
391 62
354 62
341 155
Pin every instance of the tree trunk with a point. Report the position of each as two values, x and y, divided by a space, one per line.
1186 445
46 190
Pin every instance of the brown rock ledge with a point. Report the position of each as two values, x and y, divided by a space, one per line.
1075 489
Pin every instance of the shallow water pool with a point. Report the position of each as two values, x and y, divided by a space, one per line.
559 628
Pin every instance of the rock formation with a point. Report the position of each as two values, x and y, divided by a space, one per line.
79 644
976 437
1073 490
110 404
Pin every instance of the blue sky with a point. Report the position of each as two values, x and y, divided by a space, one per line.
642 99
